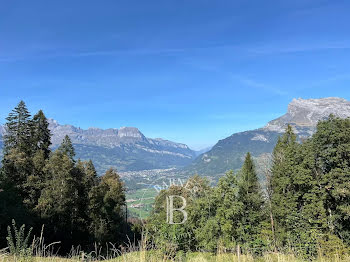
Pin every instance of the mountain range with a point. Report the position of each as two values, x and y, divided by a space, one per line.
302 114
127 149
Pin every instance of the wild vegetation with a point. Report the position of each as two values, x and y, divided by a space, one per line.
302 212
304 209
40 187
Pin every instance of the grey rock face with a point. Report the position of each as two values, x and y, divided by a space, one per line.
126 149
306 113
109 137
302 114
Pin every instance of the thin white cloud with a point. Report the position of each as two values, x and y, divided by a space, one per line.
132 52
242 50
297 47
258 85
326 81
239 115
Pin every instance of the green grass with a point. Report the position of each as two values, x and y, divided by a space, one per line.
144 197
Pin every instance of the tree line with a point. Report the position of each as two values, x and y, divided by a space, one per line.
39 186
303 206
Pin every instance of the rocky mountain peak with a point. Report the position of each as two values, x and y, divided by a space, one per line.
52 122
306 113
131 132
125 148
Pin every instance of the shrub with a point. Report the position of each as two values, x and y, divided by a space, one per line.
18 244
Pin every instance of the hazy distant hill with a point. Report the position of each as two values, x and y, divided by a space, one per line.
303 114
126 149
202 151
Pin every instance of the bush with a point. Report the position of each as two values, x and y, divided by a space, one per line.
19 243
331 246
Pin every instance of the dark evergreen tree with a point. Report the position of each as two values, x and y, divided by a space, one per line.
67 148
228 208
35 181
17 160
41 134
18 130
284 197
107 208
299 192
331 151
58 201
250 199
11 207
85 179
90 178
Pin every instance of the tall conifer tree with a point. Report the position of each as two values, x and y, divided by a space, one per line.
251 200
41 133
107 208
284 197
17 161
331 147
18 129
67 148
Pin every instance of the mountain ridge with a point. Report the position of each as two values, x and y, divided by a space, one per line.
126 148
302 114
307 112
110 137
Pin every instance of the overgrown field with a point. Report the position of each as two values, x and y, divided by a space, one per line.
190 257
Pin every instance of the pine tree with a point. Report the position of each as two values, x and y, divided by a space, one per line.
41 133
57 203
40 141
297 197
107 208
90 178
17 161
284 197
81 200
18 130
60 203
67 148
331 151
228 208
35 181
251 200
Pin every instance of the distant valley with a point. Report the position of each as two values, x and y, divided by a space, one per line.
128 150
302 114
145 162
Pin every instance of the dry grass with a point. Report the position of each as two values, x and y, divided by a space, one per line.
204 257
143 256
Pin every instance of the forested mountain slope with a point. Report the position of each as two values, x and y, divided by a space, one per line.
302 114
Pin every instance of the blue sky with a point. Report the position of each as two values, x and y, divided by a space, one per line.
192 71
